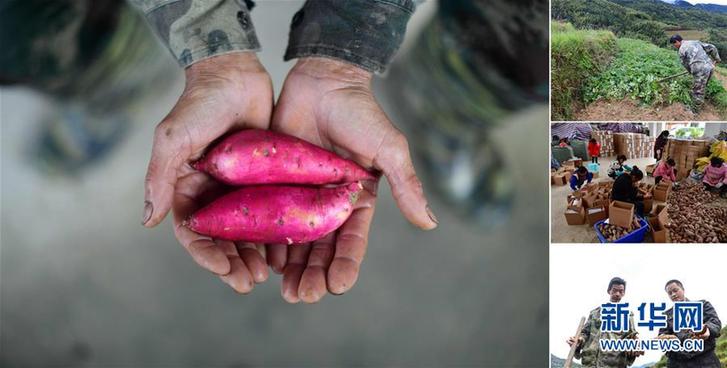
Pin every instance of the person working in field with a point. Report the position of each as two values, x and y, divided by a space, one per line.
699 58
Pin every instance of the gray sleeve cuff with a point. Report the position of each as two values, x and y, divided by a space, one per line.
194 30
366 33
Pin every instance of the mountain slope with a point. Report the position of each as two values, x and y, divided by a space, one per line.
683 16
604 14
713 8
649 20
556 362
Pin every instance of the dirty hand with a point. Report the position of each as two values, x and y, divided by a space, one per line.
666 337
222 93
330 103
572 340
704 334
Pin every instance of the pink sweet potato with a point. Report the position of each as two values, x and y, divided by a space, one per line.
254 156
276 213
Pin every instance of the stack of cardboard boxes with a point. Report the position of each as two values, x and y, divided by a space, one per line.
560 177
685 152
592 204
633 145
588 205
605 138
563 174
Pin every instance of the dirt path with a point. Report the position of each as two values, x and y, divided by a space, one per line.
630 110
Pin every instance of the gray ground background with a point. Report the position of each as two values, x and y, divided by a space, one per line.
83 284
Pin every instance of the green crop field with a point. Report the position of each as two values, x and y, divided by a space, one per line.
688 34
635 74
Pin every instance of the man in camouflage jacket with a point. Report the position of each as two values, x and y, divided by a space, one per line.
699 58
588 349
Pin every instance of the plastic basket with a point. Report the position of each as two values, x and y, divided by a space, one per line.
593 167
636 236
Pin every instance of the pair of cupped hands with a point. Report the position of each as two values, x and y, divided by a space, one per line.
323 101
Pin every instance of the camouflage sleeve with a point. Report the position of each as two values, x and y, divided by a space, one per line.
194 30
712 51
632 325
366 33
585 334
684 57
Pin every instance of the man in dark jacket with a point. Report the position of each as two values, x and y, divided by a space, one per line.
700 359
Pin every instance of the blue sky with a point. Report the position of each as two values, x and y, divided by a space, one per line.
720 2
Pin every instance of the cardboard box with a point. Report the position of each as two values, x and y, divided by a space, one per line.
648 204
661 191
658 231
575 204
558 179
589 200
650 169
596 214
662 214
590 187
573 217
601 201
621 214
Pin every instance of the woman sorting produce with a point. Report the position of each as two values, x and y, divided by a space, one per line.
625 190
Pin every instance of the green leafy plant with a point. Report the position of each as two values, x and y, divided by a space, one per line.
689 132
636 72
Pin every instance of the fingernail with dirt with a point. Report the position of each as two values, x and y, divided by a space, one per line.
371 186
431 215
148 210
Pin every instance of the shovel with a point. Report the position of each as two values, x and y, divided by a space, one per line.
672 77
